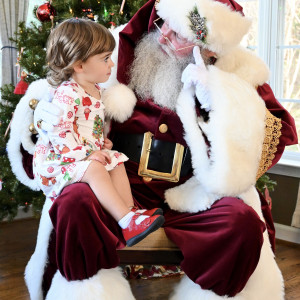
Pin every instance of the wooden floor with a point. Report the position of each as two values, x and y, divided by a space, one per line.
17 241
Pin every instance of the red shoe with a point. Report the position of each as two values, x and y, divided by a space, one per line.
150 212
135 233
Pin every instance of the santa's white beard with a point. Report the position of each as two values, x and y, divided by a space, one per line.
157 75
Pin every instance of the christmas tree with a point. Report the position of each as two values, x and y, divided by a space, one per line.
31 43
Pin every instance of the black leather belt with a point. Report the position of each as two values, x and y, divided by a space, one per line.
161 154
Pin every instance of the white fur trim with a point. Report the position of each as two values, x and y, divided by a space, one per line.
119 101
235 130
258 287
266 282
35 268
15 159
226 28
245 64
189 197
105 285
188 290
20 134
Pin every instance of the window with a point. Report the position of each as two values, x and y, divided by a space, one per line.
30 16
275 37
289 48
251 10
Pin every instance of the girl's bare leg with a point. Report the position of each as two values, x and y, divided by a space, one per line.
102 185
120 180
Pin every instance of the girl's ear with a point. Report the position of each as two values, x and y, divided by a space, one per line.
78 67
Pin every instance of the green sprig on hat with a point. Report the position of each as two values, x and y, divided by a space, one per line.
198 25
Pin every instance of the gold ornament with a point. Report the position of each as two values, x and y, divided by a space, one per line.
33 103
32 129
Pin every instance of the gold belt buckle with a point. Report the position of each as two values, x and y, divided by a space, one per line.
143 166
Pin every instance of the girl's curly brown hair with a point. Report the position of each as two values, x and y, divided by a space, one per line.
75 40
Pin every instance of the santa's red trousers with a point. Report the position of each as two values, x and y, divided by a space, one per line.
221 246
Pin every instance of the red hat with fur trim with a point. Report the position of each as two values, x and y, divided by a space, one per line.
217 25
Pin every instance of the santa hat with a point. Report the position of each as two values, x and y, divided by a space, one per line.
218 25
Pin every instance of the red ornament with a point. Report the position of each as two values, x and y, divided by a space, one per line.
21 86
45 12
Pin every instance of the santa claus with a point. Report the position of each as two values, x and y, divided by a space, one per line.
213 127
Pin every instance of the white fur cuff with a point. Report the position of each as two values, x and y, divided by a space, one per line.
105 285
20 134
190 197
119 102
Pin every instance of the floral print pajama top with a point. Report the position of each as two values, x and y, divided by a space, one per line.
59 162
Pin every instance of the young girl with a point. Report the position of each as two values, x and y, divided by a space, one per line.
79 56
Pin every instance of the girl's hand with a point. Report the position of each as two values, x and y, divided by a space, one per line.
108 144
101 156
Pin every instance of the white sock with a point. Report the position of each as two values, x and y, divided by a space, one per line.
140 211
124 222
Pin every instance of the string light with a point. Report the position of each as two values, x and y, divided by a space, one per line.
105 12
122 7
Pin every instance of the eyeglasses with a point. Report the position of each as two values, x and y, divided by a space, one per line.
168 42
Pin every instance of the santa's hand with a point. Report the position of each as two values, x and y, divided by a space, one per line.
46 115
197 75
